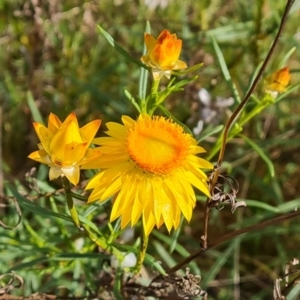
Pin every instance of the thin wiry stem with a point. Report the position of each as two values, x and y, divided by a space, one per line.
231 235
142 252
236 113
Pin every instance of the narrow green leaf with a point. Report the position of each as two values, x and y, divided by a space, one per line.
71 256
29 263
144 72
179 249
164 254
132 100
118 285
289 206
294 293
260 152
33 207
153 263
216 267
90 224
168 114
175 236
254 75
209 132
112 42
261 204
290 90
225 70
189 70
33 108
283 62
232 33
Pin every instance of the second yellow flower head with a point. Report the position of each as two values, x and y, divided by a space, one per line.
163 54
64 146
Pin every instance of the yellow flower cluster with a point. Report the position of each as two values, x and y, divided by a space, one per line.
148 166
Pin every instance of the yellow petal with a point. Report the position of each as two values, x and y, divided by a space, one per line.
53 123
72 173
44 134
149 41
54 172
40 156
278 81
178 198
89 131
180 65
65 140
126 218
71 118
148 220
167 211
123 201
90 156
136 211
116 130
198 183
112 189
128 122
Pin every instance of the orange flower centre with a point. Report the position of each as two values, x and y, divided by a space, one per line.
157 145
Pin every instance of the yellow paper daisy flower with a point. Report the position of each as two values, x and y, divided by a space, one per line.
64 146
278 81
149 166
163 54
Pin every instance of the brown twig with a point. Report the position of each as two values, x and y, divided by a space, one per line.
231 235
235 115
237 111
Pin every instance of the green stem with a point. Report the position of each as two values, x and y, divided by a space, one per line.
70 203
153 101
155 86
99 241
142 253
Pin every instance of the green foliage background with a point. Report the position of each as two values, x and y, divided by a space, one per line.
53 59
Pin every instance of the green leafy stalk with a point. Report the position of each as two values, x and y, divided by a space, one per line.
70 203
99 241
151 101
142 252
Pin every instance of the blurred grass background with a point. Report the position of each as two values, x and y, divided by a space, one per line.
54 59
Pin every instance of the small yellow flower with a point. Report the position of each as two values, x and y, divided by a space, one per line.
64 146
162 54
278 81
149 166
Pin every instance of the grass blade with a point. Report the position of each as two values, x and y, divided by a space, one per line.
260 152
112 42
225 70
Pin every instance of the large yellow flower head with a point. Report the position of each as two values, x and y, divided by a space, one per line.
149 166
163 54
64 146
